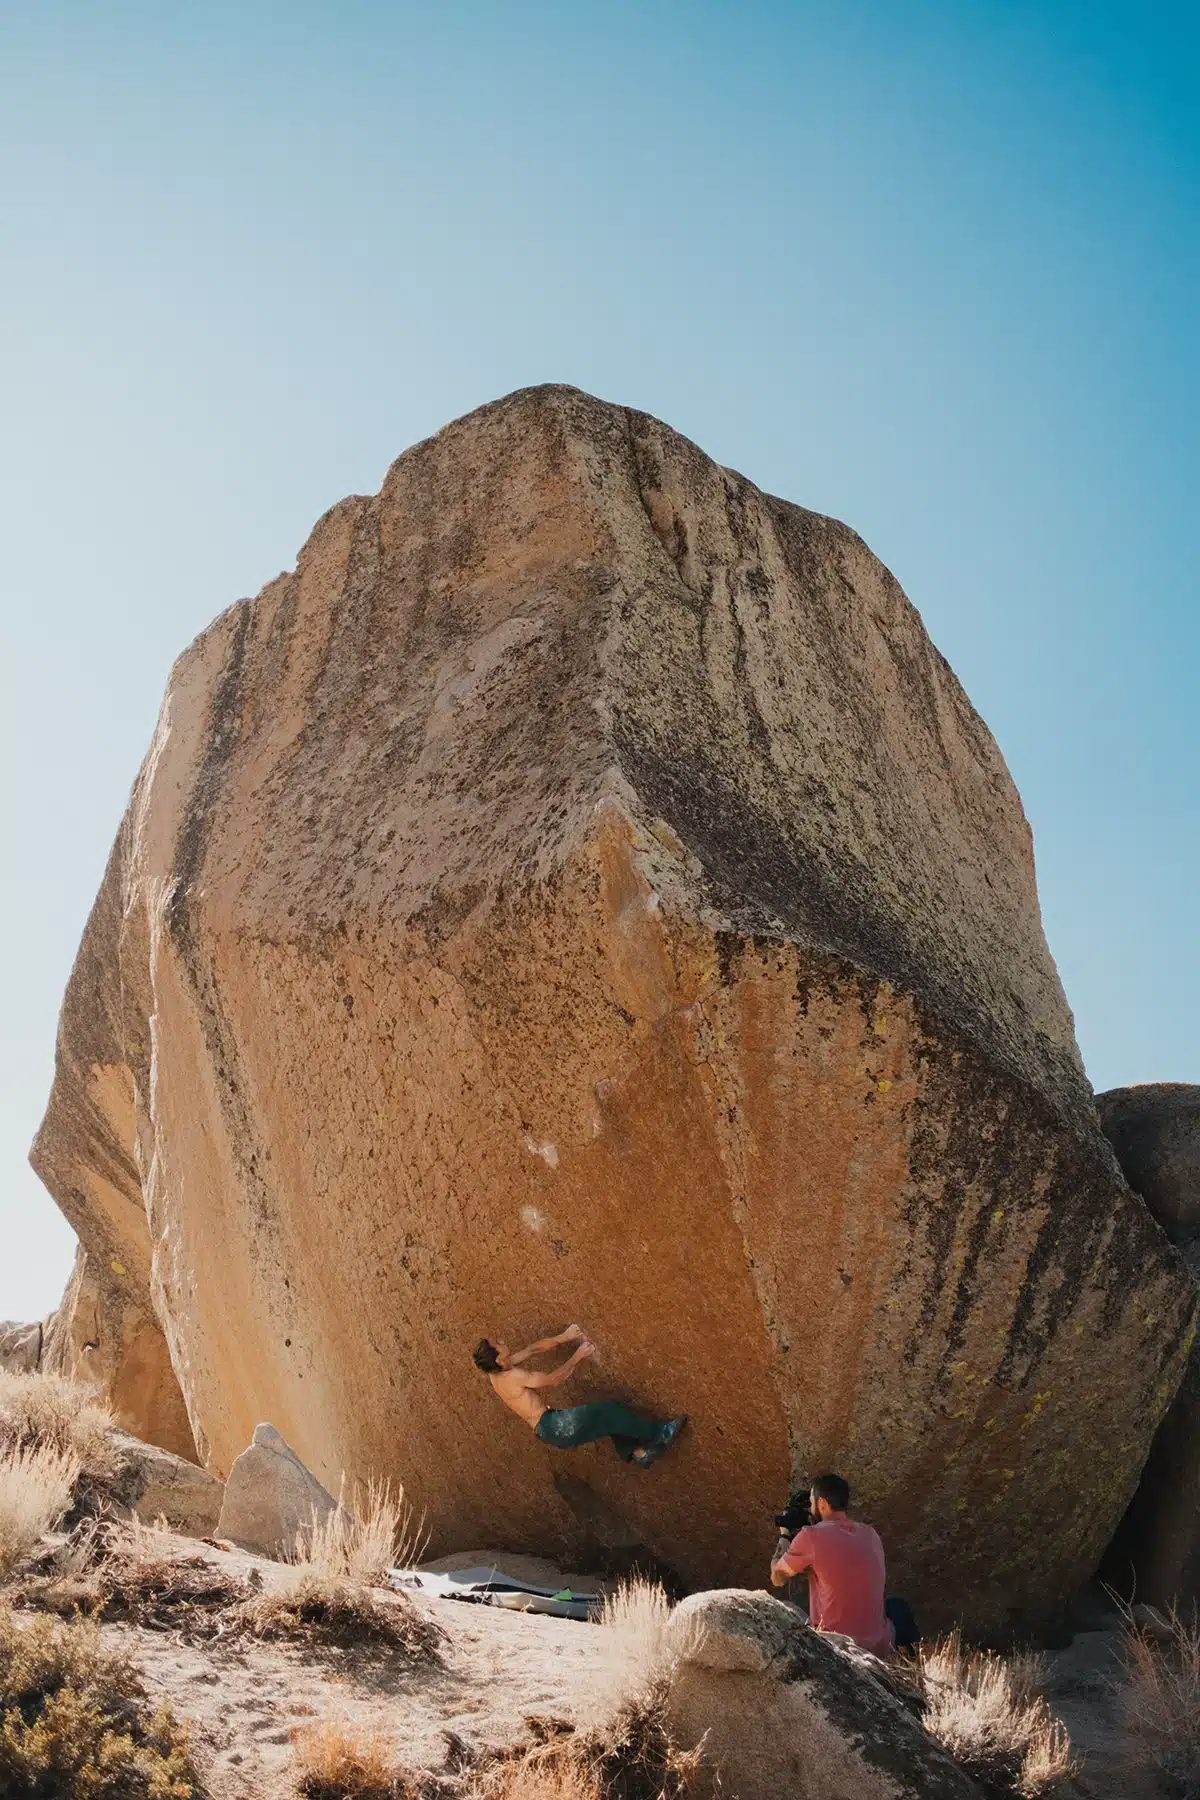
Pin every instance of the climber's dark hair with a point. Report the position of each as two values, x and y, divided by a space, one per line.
833 1490
485 1357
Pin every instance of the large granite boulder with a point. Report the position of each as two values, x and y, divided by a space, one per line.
1154 1129
779 1711
581 889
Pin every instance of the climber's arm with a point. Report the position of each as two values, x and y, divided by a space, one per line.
553 1379
569 1336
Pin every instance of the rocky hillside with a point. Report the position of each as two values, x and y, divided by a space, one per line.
580 889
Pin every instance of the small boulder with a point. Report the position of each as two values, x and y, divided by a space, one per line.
1154 1130
156 1484
783 1712
270 1496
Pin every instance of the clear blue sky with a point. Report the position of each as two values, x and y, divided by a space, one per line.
932 268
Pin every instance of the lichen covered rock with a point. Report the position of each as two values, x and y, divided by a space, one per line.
580 889
776 1710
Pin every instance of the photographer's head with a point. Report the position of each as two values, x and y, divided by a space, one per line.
829 1496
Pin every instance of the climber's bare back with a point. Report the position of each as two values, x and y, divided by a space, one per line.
513 1388
522 1389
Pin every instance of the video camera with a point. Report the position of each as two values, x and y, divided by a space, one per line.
795 1515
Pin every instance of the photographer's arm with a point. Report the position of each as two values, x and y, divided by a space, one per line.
794 1561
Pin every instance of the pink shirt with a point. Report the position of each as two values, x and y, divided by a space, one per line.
844 1559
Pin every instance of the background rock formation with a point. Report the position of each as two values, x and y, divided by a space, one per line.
1155 1131
581 889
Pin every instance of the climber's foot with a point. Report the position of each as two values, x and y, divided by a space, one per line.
662 1440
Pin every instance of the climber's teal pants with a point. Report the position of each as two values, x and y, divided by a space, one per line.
566 1427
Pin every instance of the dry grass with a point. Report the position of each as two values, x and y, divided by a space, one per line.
988 1714
37 1484
623 1750
1160 1704
362 1542
48 1412
631 1757
636 1654
81 1551
332 1762
74 1721
544 1777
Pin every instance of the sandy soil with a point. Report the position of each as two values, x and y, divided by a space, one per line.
247 1700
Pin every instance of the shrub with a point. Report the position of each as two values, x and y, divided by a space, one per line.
988 1715
49 1412
37 1483
630 1757
333 1762
624 1750
139 1579
363 1543
74 1721
556 1777
321 1594
1160 1704
325 1610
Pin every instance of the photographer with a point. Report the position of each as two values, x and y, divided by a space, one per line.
843 1559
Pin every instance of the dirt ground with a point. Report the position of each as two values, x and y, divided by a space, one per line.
247 1700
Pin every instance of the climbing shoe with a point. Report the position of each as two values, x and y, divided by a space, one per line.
662 1440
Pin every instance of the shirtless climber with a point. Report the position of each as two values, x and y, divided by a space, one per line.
566 1427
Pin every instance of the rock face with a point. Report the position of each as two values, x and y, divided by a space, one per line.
781 1710
270 1496
580 889
104 1337
101 1336
1155 1131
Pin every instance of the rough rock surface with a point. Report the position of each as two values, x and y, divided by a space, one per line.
782 1711
157 1485
1154 1130
1155 1554
581 889
270 1496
